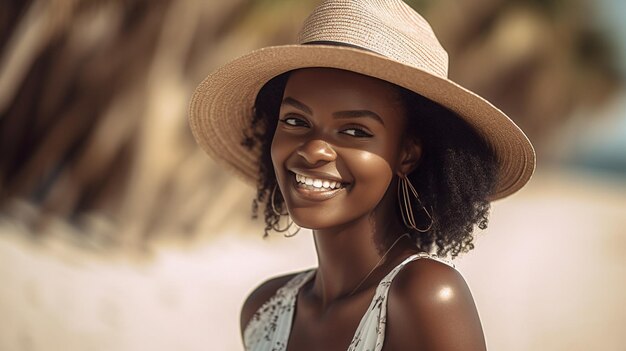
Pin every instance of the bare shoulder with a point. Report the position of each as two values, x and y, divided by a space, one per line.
259 296
430 307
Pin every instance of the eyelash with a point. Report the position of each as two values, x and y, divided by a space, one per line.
358 132
284 120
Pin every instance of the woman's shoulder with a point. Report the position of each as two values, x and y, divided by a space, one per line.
427 275
431 304
262 293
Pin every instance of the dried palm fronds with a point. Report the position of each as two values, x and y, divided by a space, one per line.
93 96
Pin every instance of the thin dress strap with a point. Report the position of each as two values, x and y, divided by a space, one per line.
370 334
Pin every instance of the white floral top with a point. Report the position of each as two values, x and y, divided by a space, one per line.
269 328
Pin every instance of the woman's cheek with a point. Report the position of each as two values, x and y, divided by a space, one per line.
278 152
374 173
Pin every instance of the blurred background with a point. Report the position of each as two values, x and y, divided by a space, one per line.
118 233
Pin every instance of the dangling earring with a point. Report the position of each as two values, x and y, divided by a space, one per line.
406 208
290 223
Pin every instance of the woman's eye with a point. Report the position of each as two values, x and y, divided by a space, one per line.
356 132
293 121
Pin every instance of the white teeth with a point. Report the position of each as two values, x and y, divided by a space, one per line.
318 183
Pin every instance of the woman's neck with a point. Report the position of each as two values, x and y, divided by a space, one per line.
346 255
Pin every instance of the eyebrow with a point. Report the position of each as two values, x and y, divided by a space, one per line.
297 104
338 115
359 114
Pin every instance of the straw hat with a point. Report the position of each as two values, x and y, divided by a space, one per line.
385 39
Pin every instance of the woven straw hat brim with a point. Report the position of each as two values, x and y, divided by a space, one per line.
221 106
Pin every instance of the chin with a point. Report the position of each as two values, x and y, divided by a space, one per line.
319 220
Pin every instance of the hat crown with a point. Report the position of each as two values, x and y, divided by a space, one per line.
387 27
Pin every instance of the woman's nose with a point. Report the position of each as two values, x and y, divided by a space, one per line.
317 150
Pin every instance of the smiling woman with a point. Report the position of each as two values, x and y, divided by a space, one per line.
332 139
391 165
456 173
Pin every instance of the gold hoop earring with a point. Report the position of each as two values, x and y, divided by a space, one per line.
405 188
289 223
272 196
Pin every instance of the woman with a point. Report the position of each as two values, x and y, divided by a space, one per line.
357 134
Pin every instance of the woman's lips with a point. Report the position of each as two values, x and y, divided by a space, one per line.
309 192
313 184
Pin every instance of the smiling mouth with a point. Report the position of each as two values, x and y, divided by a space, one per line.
318 184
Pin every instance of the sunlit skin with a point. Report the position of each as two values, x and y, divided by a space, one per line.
347 128
344 134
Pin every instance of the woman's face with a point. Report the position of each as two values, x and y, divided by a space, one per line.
337 145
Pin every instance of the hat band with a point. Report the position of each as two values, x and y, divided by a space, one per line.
338 43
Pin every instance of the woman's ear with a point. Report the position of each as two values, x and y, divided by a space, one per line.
411 156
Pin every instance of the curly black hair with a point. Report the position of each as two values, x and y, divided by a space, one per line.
455 176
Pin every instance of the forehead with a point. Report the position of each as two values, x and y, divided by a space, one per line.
342 87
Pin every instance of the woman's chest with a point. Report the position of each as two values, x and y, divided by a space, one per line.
332 330
332 335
